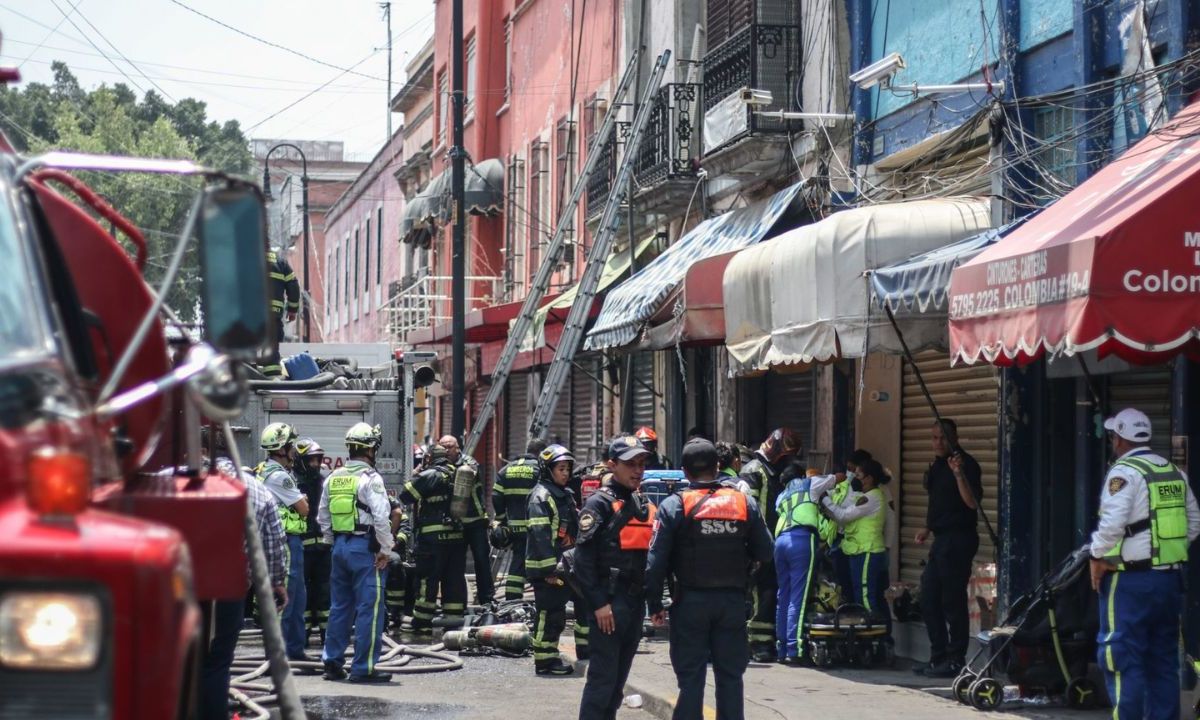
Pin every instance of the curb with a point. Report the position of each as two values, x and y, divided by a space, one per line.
659 705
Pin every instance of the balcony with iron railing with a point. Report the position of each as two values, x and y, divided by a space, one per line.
759 56
424 302
670 148
599 184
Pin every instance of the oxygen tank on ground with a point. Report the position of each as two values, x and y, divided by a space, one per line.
511 638
465 478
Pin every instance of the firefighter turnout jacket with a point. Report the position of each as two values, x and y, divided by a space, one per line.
510 493
282 484
707 537
552 528
285 291
1148 514
354 501
614 538
430 492
313 484
762 478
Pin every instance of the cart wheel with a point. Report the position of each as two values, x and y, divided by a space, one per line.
865 656
1081 694
961 685
885 655
822 657
986 694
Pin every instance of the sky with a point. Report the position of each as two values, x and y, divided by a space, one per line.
162 43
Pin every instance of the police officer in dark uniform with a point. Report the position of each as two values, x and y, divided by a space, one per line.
285 299
709 538
311 474
610 567
510 500
441 552
761 478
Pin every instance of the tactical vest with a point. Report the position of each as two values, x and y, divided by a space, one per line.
293 522
635 534
710 551
343 501
1167 522
865 535
625 548
799 511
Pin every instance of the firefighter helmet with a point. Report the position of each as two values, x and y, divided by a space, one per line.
277 436
554 454
307 447
500 537
364 435
781 443
646 434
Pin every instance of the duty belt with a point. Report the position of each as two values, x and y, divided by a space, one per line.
1146 564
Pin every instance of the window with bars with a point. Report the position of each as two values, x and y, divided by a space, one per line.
378 246
539 199
565 154
354 288
469 60
367 257
337 282
508 28
346 279
443 101
330 276
724 18
515 229
1053 127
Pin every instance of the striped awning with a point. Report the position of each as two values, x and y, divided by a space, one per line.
483 194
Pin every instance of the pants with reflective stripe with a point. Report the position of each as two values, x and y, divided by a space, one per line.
442 566
271 366
550 601
397 592
795 553
317 559
357 591
295 634
476 536
1138 644
869 581
709 626
514 582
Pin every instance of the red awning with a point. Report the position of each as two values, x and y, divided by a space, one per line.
483 325
1113 266
490 352
694 315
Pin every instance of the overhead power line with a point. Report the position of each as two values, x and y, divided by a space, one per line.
114 47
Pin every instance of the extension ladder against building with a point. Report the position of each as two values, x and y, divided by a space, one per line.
541 280
610 220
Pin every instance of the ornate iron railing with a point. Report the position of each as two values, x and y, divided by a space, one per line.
670 147
762 57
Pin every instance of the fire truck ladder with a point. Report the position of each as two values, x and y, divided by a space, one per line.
541 281
568 345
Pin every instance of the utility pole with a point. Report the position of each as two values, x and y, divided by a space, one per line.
459 218
387 16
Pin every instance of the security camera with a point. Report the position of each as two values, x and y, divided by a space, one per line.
753 96
879 72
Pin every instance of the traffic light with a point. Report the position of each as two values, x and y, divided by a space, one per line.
421 364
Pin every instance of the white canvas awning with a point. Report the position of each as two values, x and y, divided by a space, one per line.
805 296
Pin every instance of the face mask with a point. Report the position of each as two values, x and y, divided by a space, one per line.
856 485
851 475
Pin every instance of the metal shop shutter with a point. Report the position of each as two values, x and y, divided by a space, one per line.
968 395
485 452
1148 389
586 442
788 402
445 415
644 399
516 414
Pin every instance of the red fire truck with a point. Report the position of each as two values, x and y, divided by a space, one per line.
112 535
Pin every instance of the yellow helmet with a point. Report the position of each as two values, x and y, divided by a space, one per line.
364 435
277 436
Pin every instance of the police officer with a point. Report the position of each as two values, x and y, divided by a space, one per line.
510 500
278 439
552 528
354 520
610 567
475 526
760 477
440 552
1148 518
285 299
864 515
311 474
649 439
797 540
709 538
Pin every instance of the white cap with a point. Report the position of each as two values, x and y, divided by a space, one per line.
1131 424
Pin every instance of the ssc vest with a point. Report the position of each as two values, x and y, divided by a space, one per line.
1167 523
710 551
635 535
865 535
799 511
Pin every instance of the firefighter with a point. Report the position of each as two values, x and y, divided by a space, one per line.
649 440
475 526
706 538
441 553
863 513
510 500
354 518
760 477
552 528
285 299
797 540
1148 518
397 580
610 567
311 474
279 439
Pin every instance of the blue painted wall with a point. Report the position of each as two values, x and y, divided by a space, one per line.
1043 20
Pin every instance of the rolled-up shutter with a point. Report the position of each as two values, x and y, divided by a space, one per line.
1147 389
968 395
788 402
445 416
586 442
644 399
485 452
516 414
560 420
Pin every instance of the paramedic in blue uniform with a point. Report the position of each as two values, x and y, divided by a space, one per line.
355 518
797 539
1148 518
709 538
